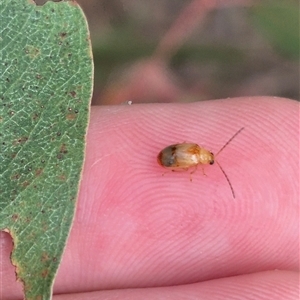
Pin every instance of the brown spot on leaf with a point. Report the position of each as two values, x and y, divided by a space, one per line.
73 94
63 149
35 116
45 273
25 183
45 227
39 172
59 156
15 217
32 51
62 177
71 117
45 257
15 176
63 35
20 140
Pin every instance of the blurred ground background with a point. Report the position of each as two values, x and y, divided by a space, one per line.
182 51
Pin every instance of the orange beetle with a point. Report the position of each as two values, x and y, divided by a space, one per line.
185 155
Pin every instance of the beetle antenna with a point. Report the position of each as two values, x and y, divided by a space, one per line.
229 142
232 191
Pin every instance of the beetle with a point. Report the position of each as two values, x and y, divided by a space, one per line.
186 155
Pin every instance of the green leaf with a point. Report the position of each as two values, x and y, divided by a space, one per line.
279 22
45 91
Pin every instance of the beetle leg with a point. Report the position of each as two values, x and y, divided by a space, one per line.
175 170
193 172
180 170
203 171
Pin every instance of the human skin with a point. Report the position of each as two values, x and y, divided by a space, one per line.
141 232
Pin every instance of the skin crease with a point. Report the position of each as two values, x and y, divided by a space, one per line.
176 239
